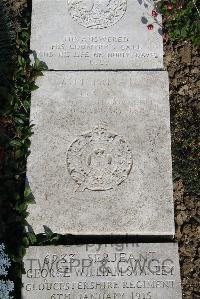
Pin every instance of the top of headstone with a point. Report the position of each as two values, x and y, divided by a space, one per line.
97 34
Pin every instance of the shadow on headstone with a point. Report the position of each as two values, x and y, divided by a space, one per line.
144 20
160 31
140 2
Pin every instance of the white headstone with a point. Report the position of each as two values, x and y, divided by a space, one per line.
102 271
100 158
96 34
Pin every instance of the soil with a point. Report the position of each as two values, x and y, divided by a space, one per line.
182 61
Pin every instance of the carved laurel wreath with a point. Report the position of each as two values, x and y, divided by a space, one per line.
99 160
97 14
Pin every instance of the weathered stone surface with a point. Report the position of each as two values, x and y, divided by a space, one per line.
100 158
100 34
111 271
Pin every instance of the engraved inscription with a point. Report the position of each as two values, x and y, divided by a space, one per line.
99 160
98 50
97 14
101 271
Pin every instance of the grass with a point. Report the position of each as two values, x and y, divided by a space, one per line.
16 90
181 19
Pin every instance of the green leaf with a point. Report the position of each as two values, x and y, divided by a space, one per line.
28 195
55 238
37 62
21 60
48 231
21 207
15 142
18 120
22 251
19 154
33 87
25 241
32 238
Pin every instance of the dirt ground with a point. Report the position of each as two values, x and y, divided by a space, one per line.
183 64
